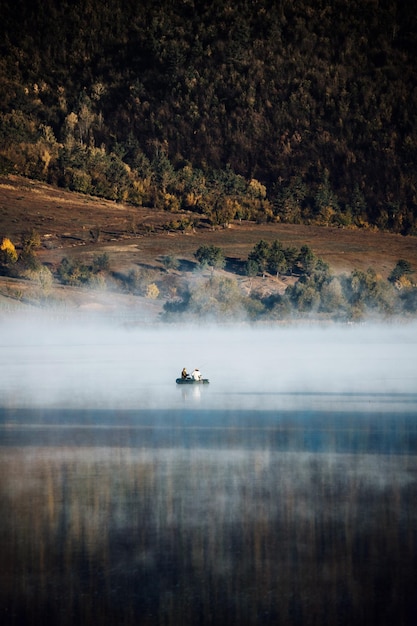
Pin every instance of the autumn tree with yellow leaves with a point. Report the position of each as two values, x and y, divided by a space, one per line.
8 255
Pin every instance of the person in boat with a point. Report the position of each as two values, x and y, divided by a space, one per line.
184 373
196 375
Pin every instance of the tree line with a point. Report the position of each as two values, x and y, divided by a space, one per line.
314 291
286 111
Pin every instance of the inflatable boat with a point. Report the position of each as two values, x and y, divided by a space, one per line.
191 381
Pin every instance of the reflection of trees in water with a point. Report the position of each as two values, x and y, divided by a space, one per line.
206 536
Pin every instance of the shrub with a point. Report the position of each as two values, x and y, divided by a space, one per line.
100 263
133 279
97 281
402 269
42 276
152 291
76 272
252 267
30 241
8 252
170 262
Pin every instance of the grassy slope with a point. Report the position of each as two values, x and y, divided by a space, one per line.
134 237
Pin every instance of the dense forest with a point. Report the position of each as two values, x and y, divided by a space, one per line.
296 111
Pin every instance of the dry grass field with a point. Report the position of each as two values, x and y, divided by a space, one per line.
74 225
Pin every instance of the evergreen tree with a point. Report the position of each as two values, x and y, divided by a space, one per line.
277 263
402 268
210 256
260 254
307 260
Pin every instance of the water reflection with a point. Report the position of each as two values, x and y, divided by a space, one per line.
302 430
196 518
191 393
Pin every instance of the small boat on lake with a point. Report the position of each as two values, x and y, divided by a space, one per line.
192 381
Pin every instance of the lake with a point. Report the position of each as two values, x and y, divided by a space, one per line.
285 492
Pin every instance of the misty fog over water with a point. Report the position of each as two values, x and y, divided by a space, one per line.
284 492
98 364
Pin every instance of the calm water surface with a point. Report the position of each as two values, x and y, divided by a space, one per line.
195 516
283 493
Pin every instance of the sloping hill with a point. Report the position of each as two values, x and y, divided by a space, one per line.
314 100
77 225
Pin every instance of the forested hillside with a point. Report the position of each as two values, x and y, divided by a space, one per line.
297 111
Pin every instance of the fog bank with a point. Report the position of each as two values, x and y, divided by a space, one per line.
94 362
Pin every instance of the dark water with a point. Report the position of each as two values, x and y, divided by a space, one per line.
196 516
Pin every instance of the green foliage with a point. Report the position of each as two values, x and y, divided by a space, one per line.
218 297
222 212
260 255
170 262
320 293
366 292
30 241
279 260
291 255
76 272
26 262
94 171
162 169
402 268
100 263
210 256
315 293
291 200
277 263
408 301
307 260
332 298
304 296
325 202
42 276
139 281
133 280
253 308
321 273
252 267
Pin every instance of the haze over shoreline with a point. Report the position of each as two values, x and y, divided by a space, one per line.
96 363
